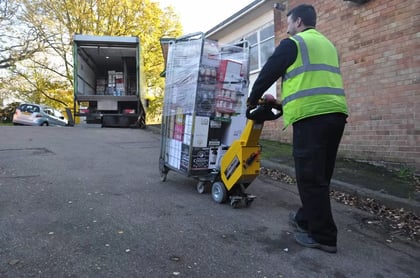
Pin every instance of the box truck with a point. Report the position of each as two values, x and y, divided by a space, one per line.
107 81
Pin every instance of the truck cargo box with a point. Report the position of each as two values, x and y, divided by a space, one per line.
107 80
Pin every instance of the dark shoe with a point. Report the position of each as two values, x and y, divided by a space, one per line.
306 240
294 223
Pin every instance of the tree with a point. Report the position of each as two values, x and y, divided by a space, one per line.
55 22
18 41
6 113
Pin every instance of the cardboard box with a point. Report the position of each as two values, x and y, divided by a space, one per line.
171 126
211 54
185 158
188 130
220 153
230 71
205 99
215 134
119 75
111 77
201 131
101 82
213 157
179 132
234 130
100 89
173 153
200 158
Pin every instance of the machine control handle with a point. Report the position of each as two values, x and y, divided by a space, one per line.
263 112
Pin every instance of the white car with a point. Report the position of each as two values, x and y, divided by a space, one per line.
36 114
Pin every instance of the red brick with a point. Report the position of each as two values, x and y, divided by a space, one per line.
380 63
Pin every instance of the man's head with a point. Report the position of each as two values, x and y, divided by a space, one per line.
300 18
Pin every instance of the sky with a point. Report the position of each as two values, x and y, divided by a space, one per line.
201 15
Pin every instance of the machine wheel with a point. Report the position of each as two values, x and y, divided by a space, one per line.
163 176
163 170
248 202
201 187
218 192
234 203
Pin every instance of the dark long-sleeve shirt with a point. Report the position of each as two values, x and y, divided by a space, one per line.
283 57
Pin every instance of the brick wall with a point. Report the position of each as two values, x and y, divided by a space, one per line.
379 46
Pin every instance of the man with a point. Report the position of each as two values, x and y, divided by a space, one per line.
314 103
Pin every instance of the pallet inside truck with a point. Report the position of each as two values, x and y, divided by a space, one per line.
240 165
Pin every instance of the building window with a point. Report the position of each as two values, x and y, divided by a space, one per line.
262 46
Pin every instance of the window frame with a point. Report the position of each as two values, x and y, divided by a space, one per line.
259 43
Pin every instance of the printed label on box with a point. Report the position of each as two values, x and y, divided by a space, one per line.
215 134
230 71
185 158
201 131
200 158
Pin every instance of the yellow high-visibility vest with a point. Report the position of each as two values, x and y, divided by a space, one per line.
312 85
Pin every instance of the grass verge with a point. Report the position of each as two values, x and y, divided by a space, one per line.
398 182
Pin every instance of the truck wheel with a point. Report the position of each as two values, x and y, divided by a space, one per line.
218 192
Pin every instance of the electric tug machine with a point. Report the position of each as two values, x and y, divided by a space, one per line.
240 165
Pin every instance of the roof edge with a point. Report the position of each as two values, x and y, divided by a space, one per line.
104 39
247 9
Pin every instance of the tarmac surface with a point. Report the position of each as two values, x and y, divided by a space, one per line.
89 202
340 183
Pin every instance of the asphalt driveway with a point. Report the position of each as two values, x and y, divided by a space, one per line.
88 202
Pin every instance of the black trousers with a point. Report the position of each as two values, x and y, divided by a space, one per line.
315 144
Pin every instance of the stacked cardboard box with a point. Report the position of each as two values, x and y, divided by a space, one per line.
111 82
179 127
204 99
116 85
100 86
119 84
174 153
229 88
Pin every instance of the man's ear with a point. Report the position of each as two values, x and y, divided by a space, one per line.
299 21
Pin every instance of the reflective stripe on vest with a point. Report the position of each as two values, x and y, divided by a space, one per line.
307 66
314 91
312 85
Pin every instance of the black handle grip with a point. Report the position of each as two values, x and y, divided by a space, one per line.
263 111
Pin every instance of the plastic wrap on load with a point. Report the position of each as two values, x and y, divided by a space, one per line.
181 76
206 87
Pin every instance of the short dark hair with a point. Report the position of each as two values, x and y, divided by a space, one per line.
306 12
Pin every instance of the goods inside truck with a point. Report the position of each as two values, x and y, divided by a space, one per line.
106 71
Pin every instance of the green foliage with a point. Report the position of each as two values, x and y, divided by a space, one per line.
6 113
275 149
405 172
48 77
18 41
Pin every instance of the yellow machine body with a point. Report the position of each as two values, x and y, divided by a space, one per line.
241 162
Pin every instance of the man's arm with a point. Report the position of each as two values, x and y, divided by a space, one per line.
284 55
